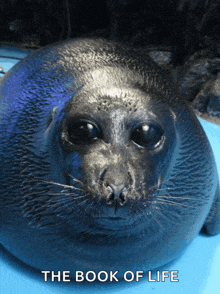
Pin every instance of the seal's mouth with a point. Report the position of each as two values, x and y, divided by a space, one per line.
117 221
109 220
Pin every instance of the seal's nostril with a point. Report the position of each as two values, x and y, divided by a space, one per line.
110 199
102 174
122 198
116 194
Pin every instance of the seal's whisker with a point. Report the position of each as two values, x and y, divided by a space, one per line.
164 210
66 192
161 212
61 206
169 202
180 198
175 197
80 197
62 194
142 212
83 202
62 185
163 189
154 218
150 202
75 179
187 198
158 222
68 196
89 204
159 183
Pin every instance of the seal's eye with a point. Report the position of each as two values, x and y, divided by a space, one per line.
82 133
148 136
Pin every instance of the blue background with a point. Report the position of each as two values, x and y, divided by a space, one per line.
199 266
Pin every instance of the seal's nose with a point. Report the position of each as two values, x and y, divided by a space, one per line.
116 194
116 183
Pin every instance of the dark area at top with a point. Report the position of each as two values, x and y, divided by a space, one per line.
182 26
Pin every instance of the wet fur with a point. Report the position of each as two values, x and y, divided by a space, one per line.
58 204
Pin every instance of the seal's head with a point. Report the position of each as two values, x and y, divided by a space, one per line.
105 167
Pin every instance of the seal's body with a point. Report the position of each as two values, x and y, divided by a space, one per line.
103 166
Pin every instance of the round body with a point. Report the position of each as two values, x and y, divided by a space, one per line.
103 166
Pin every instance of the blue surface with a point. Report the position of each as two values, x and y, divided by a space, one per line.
199 266
15 53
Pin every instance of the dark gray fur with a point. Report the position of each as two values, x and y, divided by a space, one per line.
57 212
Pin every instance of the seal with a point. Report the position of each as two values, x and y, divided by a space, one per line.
103 165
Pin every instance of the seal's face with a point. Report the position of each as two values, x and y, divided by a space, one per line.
123 144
